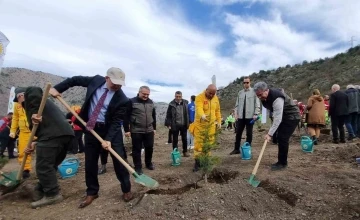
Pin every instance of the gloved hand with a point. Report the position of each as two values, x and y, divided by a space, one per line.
203 117
219 125
12 135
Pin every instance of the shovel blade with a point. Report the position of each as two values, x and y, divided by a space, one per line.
9 179
145 180
253 181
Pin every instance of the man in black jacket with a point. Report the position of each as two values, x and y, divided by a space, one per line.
177 120
286 116
338 111
351 119
103 109
54 135
140 124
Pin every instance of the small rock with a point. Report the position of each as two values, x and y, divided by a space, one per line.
300 194
183 216
303 214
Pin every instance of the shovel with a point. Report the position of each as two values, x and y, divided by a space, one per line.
13 179
252 180
141 179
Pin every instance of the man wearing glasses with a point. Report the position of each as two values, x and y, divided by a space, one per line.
286 118
140 124
247 108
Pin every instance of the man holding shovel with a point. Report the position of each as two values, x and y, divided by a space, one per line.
103 109
54 135
286 118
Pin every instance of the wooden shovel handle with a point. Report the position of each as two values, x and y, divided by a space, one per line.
128 167
259 158
34 128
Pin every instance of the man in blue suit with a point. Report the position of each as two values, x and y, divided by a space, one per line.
103 109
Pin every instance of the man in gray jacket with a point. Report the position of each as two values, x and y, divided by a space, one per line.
247 108
351 120
140 124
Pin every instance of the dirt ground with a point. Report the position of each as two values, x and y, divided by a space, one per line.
324 184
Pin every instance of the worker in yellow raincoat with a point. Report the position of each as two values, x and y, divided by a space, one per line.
207 113
19 121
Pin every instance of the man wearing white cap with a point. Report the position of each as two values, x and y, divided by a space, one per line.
103 109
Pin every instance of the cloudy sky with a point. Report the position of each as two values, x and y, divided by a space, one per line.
174 45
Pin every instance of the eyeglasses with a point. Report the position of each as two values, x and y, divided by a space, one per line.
246 82
178 96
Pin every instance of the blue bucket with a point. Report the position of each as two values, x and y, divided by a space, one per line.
246 151
69 167
307 144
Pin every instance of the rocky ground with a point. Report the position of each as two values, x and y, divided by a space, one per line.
324 184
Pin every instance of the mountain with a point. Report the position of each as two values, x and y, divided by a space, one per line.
20 77
300 79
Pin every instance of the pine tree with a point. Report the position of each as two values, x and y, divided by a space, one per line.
209 143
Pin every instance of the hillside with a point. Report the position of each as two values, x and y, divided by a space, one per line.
301 79
20 77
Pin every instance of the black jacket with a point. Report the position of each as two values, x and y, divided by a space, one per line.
140 116
290 111
353 95
115 111
54 123
339 104
171 114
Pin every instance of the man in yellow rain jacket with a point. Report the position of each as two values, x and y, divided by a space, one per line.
19 121
207 113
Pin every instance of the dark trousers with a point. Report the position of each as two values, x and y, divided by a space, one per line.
138 141
240 126
80 144
284 132
351 124
104 154
183 134
337 124
230 125
92 151
49 155
170 137
8 143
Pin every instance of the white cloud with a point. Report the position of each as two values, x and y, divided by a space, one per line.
151 40
88 38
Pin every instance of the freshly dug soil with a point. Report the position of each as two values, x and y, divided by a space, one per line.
324 184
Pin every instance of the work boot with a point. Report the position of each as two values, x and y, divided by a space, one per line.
26 174
37 195
236 151
102 169
278 166
196 165
47 200
186 154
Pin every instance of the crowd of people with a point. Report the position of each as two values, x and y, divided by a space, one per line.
112 115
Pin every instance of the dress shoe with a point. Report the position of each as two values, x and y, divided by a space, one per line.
278 166
88 200
150 166
128 196
186 154
234 152
47 200
138 171
102 169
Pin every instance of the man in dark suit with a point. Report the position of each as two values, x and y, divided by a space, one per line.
54 135
103 109
338 112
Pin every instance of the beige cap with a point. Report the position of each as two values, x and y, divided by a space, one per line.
116 75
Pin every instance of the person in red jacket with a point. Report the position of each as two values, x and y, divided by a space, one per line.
326 102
